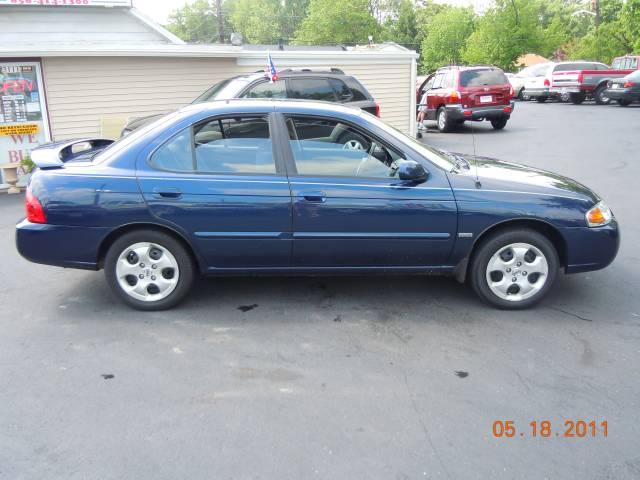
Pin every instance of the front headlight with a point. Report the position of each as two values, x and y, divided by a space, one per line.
599 215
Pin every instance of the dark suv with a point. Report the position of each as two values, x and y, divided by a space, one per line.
330 85
457 94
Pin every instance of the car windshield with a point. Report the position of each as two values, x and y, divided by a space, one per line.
482 77
223 90
432 154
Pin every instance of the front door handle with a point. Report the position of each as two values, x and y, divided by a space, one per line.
316 196
167 192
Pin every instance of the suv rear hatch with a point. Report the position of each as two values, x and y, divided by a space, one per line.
481 87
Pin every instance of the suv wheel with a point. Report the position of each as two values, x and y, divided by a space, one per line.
444 124
514 269
499 123
601 95
577 98
149 270
353 141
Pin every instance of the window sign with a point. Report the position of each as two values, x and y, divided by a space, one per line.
68 3
23 117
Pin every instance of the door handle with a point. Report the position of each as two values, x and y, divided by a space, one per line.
167 192
316 197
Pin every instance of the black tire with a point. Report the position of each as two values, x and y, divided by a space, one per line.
492 245
624 103
165 242
577 98
541 99
499 123
600 96
352 138
445 124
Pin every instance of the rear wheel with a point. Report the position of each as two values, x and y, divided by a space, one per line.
541 99
353 141
514 269
600 95
444 123
623 102
149 270
499 123
577 98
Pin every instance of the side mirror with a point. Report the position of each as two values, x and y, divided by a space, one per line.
412 171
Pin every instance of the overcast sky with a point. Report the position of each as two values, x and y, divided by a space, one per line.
159 10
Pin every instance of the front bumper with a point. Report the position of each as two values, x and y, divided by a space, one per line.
591 248
60 245
490 112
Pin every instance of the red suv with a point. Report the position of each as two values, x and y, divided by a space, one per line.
457 94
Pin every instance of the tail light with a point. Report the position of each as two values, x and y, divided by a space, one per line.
512 92
35 212
580 77
547 83
454 96
628 84
377 110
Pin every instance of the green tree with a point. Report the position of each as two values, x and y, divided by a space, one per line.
265 21
337 22
505 32
402 28
446 35
195 23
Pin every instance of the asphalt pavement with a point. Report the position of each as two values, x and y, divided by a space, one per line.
337 377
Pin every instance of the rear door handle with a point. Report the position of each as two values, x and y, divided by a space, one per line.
316 196
167 192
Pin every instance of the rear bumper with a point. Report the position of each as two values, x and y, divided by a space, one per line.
456 112
60 245
557 91
537 92
620 94
591 248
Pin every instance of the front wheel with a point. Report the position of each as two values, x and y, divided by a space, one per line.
149 270
600 95
499 123
514 269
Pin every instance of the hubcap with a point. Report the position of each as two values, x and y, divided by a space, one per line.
353 145
603 97
147 271
442 119
517 271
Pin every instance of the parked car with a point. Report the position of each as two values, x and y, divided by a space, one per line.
530 74
585 81
328 85
268 187
459 94
625 90
540 86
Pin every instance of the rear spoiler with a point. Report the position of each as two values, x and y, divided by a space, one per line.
54 155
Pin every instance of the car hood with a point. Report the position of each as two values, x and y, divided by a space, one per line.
141 121
498 176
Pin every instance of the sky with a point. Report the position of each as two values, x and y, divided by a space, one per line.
159 10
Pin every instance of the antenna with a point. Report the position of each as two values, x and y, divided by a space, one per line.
475 158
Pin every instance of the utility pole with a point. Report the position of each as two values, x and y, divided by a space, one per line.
220 20
595 4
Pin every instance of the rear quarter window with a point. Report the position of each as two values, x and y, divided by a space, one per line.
312 89
480 78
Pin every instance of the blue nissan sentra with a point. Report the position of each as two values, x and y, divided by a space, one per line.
294 187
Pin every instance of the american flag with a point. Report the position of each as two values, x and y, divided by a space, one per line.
272 73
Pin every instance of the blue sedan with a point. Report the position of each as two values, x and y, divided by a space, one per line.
293 187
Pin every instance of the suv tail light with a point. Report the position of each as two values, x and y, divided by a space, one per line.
377 110
580 77
512 92
547 83
454 96
628 84
35 212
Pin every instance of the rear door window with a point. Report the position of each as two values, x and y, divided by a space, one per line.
341 90
482 77
266 89
312 89
238 145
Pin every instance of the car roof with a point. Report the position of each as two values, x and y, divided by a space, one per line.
248 105
289 72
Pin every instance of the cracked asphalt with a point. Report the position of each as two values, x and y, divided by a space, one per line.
337 377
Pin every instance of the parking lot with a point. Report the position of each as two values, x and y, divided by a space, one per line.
337 377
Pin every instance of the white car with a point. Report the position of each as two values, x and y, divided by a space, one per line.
528 75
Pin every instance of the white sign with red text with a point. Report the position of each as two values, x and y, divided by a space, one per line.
68 3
